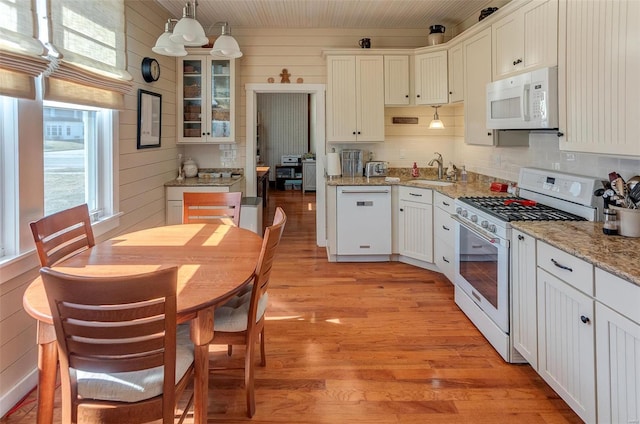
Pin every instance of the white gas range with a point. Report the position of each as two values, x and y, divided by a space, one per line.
483 234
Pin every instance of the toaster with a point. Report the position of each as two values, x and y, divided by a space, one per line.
375 169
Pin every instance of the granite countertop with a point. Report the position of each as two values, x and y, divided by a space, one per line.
205 182
618 255
584 239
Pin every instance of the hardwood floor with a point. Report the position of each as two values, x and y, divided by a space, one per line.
367 343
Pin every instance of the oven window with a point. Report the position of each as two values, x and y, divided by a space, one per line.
479 264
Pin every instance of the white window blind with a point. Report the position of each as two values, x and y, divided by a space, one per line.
20 51
89 36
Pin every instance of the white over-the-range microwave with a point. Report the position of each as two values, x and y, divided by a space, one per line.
528 101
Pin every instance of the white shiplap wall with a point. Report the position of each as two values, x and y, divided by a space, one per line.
141 176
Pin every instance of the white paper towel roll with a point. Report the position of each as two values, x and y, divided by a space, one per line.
333 164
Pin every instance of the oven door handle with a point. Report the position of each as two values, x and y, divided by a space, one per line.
481 234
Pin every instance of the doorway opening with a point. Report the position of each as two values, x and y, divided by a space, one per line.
316 94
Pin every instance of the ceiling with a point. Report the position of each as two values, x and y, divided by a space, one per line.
391 14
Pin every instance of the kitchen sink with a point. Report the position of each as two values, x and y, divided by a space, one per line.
434 182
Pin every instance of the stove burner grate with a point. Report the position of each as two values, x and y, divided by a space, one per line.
516 211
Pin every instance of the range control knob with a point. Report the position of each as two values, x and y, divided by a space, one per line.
458 210
484 224
464 213
474 218
492 228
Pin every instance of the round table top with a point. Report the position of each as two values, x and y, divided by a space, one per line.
215 262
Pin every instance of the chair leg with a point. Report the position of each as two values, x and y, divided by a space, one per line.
248 379
263 357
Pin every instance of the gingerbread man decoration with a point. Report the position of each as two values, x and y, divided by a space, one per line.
285 76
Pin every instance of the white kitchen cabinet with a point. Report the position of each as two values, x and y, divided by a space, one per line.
598 72
526 39
415 223
308 175
363 220
444 234
566 336
477 73
206 100
617 349
431 85
174 198
355 98
396 80
524 314
456 74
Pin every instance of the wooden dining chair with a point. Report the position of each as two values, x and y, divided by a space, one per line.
122 359
62 234
240 321
211 207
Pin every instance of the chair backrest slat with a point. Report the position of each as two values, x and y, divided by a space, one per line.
109 322
270 242
62 234
211 208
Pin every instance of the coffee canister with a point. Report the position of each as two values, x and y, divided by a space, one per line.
436 35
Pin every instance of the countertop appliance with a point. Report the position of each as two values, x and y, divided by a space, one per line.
526 101
290 159
351 162
483 234
375 169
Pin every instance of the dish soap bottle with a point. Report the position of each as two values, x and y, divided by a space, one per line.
415 172
463 175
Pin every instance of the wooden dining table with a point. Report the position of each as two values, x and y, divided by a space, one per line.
215 262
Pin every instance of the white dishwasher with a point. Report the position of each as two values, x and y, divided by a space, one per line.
363 222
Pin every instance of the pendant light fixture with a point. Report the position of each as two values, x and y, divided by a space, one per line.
226 45
165 46
188 32
436 123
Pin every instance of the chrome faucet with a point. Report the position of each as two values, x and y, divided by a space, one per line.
438 160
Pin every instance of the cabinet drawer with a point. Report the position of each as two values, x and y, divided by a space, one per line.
412 194
444 202
443 225
620 295
567 267
175 193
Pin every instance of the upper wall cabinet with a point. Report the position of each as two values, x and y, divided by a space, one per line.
431 78
456 74
206 100
526 39
355 98
598 76
396 80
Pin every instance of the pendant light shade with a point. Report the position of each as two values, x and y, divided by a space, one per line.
226 45
436 123
165 46
188 31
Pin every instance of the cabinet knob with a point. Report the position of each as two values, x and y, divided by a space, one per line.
354 133
358 132
450 92
584 319
417 95
401 210
515 62
489 134
560 134
520 237
407 96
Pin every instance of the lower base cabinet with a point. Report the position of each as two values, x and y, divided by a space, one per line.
415 223
444 235
524 321
617 349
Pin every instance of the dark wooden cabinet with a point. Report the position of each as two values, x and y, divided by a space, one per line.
289 177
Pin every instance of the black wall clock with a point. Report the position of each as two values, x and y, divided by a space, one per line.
150 69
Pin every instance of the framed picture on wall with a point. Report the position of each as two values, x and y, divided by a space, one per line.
149 119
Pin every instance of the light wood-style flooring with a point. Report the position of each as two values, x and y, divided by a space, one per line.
367 343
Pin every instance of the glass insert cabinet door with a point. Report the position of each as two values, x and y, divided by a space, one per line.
207 100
